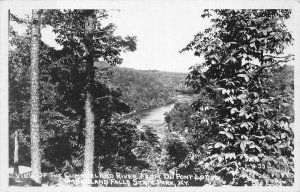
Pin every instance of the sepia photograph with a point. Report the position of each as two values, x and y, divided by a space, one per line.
150 94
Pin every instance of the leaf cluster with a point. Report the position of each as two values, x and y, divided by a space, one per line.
241 50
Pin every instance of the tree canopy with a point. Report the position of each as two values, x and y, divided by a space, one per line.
62 84
241 49
235 123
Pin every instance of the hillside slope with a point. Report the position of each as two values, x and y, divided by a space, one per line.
144 89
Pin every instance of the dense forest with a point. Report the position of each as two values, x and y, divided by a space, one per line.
183 123
72 111
144 89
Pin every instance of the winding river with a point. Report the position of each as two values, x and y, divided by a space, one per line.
155 117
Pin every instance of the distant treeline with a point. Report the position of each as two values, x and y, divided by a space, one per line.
144 89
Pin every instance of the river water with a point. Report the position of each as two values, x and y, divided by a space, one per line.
155 117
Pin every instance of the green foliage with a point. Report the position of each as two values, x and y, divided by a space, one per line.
281 82
148 146
19 96
62 79
70 77
254 141
70 25
237 128
147 89
179 117
177 152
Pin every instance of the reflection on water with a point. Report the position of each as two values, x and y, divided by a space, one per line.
155 117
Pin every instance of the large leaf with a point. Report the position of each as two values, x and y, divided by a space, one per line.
245 76
229 135
243 145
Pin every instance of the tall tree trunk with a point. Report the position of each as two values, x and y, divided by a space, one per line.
34 100
16 133
16 152
89 114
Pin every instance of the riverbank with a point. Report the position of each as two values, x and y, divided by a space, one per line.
155 117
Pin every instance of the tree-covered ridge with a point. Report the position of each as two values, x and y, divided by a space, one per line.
144 89
62 100
235 128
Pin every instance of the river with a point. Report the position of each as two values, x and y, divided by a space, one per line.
155 117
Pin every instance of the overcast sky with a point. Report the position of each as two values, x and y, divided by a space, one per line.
161 32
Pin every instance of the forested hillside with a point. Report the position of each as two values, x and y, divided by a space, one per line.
144 89
63 109
71 111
